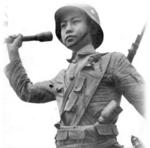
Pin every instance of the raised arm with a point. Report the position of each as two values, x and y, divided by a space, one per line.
37 93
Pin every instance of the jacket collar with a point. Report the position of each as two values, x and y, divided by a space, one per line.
85 51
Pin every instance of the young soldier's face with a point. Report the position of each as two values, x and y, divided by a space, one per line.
75 30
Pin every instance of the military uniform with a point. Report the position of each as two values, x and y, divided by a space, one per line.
94 80
84 91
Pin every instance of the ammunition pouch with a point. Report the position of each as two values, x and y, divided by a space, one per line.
80 132
112 116
107 129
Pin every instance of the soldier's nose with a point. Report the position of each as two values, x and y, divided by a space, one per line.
69 28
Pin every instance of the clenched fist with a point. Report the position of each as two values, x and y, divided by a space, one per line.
13 44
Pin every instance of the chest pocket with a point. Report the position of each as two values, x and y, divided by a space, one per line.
74 95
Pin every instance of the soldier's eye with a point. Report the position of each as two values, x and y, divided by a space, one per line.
75 21
63 25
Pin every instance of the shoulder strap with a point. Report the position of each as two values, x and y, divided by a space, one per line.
84 100
66 95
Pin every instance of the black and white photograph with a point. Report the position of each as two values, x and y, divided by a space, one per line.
74 74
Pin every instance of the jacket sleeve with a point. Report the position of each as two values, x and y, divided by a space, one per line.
36 93
129 82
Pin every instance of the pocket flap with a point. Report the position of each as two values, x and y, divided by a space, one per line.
61 135
76 134
107 130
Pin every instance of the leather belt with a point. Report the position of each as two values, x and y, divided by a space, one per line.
79 132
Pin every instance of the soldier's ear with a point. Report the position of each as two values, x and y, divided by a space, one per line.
93 31
93 28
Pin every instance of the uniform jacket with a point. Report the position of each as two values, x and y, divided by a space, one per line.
118 78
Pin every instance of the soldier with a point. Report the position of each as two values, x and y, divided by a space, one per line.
89 91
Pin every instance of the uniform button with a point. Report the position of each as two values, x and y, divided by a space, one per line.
74 108
51 86
71 77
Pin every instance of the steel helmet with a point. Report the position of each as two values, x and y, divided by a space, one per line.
97 36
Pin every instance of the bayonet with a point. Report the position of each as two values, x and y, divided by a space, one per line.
132 51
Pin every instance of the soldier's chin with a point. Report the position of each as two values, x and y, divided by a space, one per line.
70 45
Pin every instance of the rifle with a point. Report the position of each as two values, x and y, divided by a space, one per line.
112 109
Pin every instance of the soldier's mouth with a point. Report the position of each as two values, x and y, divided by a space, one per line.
70 38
